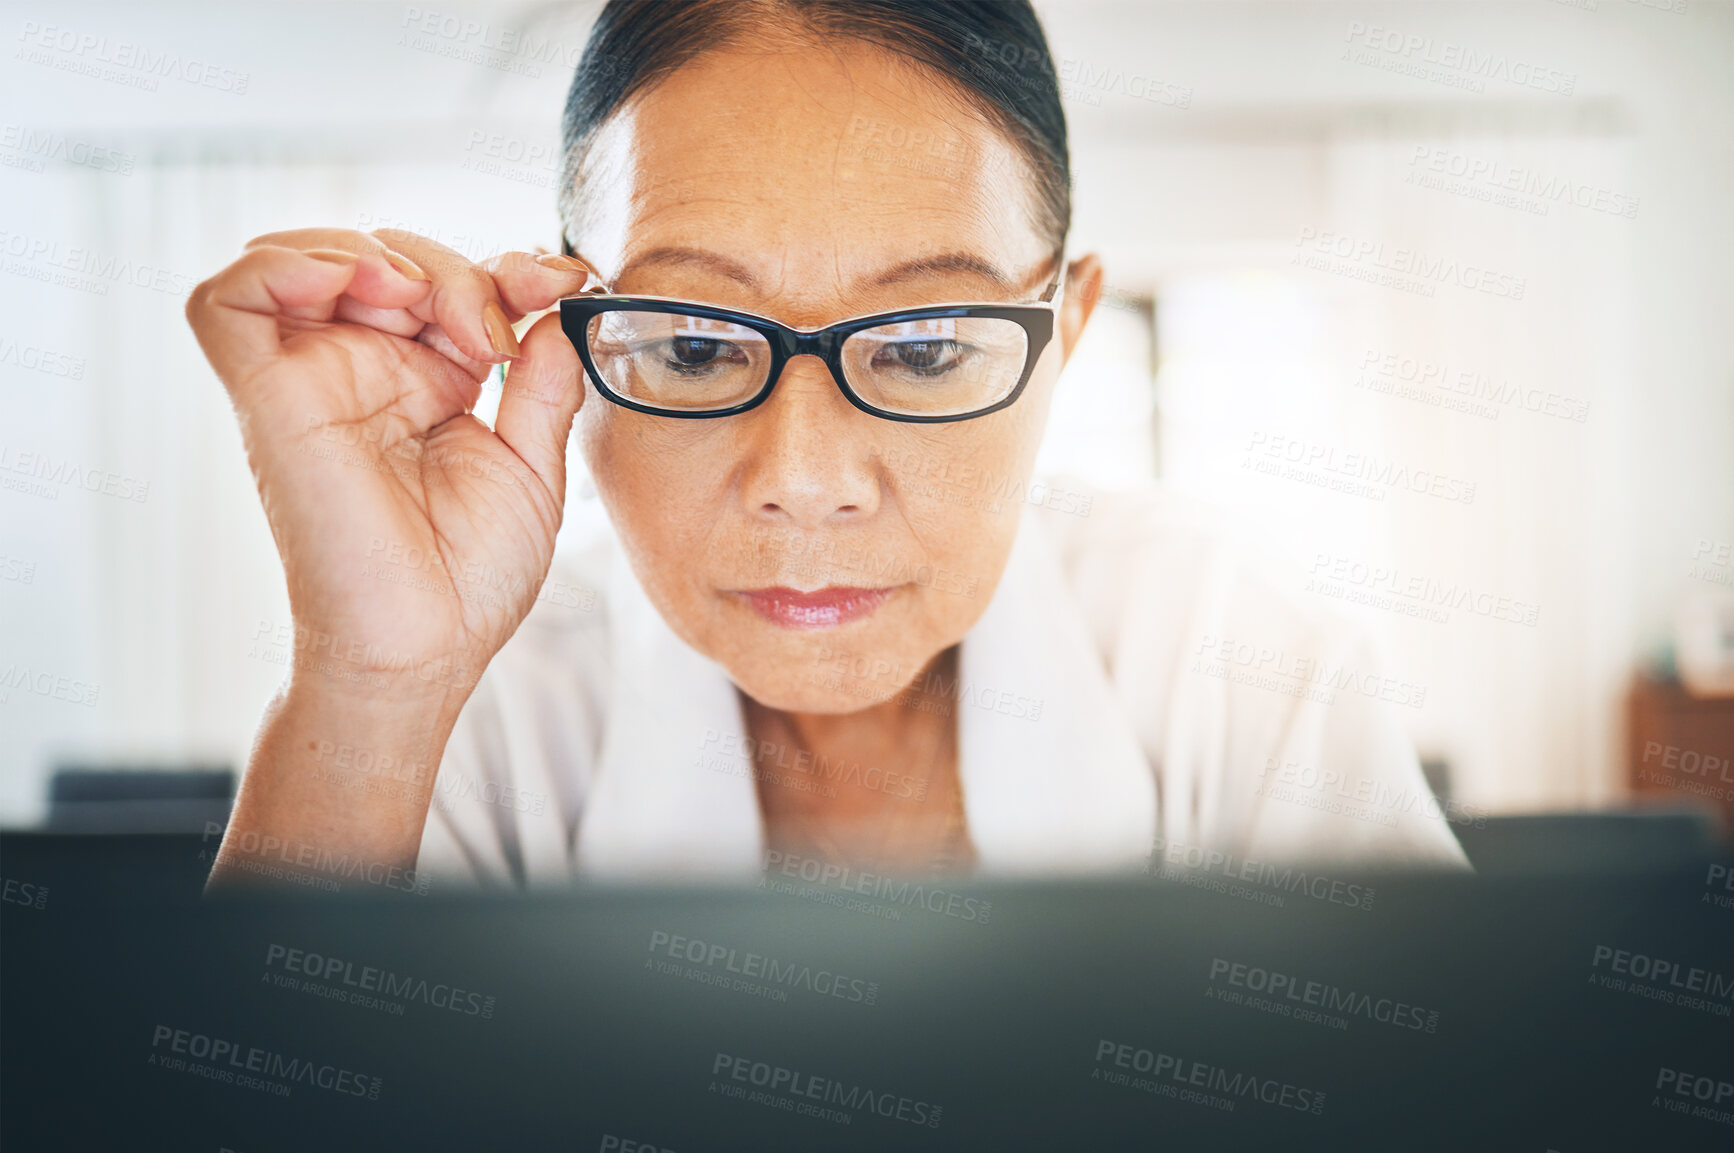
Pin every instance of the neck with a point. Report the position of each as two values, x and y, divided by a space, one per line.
920 711
878 786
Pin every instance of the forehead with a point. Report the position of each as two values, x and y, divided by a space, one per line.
820 166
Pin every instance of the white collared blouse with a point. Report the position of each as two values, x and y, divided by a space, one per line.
1130 688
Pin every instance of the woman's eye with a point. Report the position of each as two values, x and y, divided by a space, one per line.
686 353
923 357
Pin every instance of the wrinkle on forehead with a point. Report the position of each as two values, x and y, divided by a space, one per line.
784 180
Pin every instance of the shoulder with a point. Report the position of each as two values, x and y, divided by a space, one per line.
1234 675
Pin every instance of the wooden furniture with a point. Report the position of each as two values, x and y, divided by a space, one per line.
1680 748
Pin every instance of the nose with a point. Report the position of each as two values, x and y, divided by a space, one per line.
808 458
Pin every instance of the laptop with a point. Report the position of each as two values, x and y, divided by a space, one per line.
1224 1008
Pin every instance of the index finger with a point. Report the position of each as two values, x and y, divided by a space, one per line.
235 314
529 283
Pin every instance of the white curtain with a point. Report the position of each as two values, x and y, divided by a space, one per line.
162 602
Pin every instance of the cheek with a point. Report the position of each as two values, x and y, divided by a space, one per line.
664 485
596 430
964 522
960 487
650 468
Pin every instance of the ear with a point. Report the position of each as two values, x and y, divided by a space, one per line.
1083 289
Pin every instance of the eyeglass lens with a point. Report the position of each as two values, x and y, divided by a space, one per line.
936 367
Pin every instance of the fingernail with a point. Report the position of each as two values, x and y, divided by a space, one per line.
409 268
562 263
332 255
499 332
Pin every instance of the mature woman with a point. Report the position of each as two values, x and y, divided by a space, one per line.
815 301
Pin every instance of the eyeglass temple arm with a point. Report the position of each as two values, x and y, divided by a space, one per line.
1059 280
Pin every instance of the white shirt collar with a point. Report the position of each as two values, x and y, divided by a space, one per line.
1053 777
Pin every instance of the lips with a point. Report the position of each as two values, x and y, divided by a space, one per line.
821 609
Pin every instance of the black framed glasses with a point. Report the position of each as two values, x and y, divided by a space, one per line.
927 365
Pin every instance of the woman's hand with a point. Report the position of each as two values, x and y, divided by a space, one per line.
414 538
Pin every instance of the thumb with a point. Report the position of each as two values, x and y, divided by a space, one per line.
543 391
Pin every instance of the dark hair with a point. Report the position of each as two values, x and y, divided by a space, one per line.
993 51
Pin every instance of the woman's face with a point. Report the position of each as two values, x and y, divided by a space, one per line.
822 555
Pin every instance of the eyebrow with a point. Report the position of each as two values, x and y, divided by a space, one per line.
946 262
922 266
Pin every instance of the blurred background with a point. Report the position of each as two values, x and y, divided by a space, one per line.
1470 263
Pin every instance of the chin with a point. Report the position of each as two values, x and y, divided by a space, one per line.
816 691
